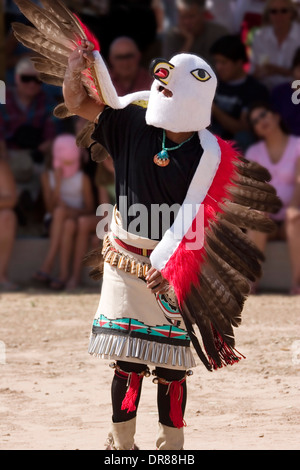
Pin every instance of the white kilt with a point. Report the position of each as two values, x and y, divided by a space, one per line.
131 323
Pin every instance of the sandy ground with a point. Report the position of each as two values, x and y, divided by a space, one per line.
53 395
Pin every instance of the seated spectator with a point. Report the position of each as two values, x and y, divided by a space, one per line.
26 128
275 43
235 93
86 238
281 99
279 152
8 222
248 15
194 33
67 195
126 72
137 19
223 13
170 13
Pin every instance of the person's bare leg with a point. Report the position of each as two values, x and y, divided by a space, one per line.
293 240
86 227
8 224
59 216
260 240
66 248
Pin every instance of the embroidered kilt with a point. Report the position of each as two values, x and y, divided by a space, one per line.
131 323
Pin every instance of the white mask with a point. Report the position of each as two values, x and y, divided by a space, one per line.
192 84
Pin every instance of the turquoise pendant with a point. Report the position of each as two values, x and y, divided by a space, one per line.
162 158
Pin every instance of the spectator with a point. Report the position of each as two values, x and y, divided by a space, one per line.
137 19
274 45
279 152
223 13
248 14
8 199
26 128
126 72
86 226
235 93
194 33
282 99
170 13
67 195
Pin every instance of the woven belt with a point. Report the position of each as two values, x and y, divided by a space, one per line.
133 249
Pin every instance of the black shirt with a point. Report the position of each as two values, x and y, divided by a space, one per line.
133 144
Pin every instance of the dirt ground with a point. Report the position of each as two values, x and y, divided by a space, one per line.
55 396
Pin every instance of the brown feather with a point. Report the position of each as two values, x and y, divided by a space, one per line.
233 254
223 298
235 282
253 170
56 81
64 15
36 38
238 238
93 258
246 218
43 65
96 274
260 200
61 111
193 304
53 56
98 152
186 315
84 139
46 23
261 185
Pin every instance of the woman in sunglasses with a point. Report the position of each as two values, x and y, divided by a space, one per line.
279 152
275 43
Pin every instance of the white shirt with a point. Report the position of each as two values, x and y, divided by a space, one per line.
266 50
71 189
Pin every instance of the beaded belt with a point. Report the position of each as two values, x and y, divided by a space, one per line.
122 261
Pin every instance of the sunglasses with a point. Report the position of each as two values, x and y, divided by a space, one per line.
261 116
281 11
30 78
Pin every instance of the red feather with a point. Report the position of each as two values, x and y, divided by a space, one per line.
89 35
183 268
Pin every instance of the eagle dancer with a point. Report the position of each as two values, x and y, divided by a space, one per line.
165 288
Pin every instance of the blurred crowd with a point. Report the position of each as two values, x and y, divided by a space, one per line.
50 188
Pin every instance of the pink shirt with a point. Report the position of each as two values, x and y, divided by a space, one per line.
283 173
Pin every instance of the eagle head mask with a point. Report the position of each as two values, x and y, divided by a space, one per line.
182 94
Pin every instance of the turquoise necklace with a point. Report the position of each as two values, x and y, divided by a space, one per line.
162 158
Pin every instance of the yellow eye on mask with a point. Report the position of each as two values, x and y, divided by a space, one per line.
201 74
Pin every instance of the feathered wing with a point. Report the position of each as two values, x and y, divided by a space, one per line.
55 32
212 282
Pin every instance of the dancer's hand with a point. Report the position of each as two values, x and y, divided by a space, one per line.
156 282
82 57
